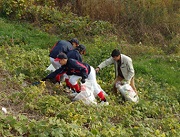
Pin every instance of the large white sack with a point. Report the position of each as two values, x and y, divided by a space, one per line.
86 95
128 92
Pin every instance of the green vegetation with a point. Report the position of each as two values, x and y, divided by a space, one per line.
47 111
24 35
149 22
149 34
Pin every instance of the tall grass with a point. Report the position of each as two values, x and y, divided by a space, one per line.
149 22
146 21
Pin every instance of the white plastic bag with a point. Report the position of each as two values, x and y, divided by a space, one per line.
50 68
4 110
86 95
128 92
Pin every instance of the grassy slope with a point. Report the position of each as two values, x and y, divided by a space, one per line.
157 113
163 69
13 33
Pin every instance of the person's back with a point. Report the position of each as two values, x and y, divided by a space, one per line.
77 53
74 54
61 46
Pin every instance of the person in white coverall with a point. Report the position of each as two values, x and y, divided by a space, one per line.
124 70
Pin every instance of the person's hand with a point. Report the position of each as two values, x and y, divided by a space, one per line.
124 82
54 81
44 79
117 84
97 69
83 80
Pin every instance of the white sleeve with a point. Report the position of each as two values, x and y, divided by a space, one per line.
105 63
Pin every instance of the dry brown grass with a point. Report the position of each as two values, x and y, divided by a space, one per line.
148 21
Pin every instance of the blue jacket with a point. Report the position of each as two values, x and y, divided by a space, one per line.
73 67
61 46
74 54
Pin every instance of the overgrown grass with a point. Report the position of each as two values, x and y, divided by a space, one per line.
137 21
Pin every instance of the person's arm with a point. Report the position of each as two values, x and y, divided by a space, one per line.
84 71
82 68
105 63
54 74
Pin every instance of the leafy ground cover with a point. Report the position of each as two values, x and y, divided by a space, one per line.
45 110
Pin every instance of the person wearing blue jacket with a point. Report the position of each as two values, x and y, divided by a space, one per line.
77 70
74 54
77 53
62 46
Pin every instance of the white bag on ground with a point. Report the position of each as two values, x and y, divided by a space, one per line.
87 94
128 92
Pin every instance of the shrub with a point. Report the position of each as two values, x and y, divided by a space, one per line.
13 8
48 17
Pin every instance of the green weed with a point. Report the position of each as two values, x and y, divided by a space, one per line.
45 110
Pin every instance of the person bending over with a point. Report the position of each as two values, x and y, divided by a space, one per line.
77 70
62 46
124 70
